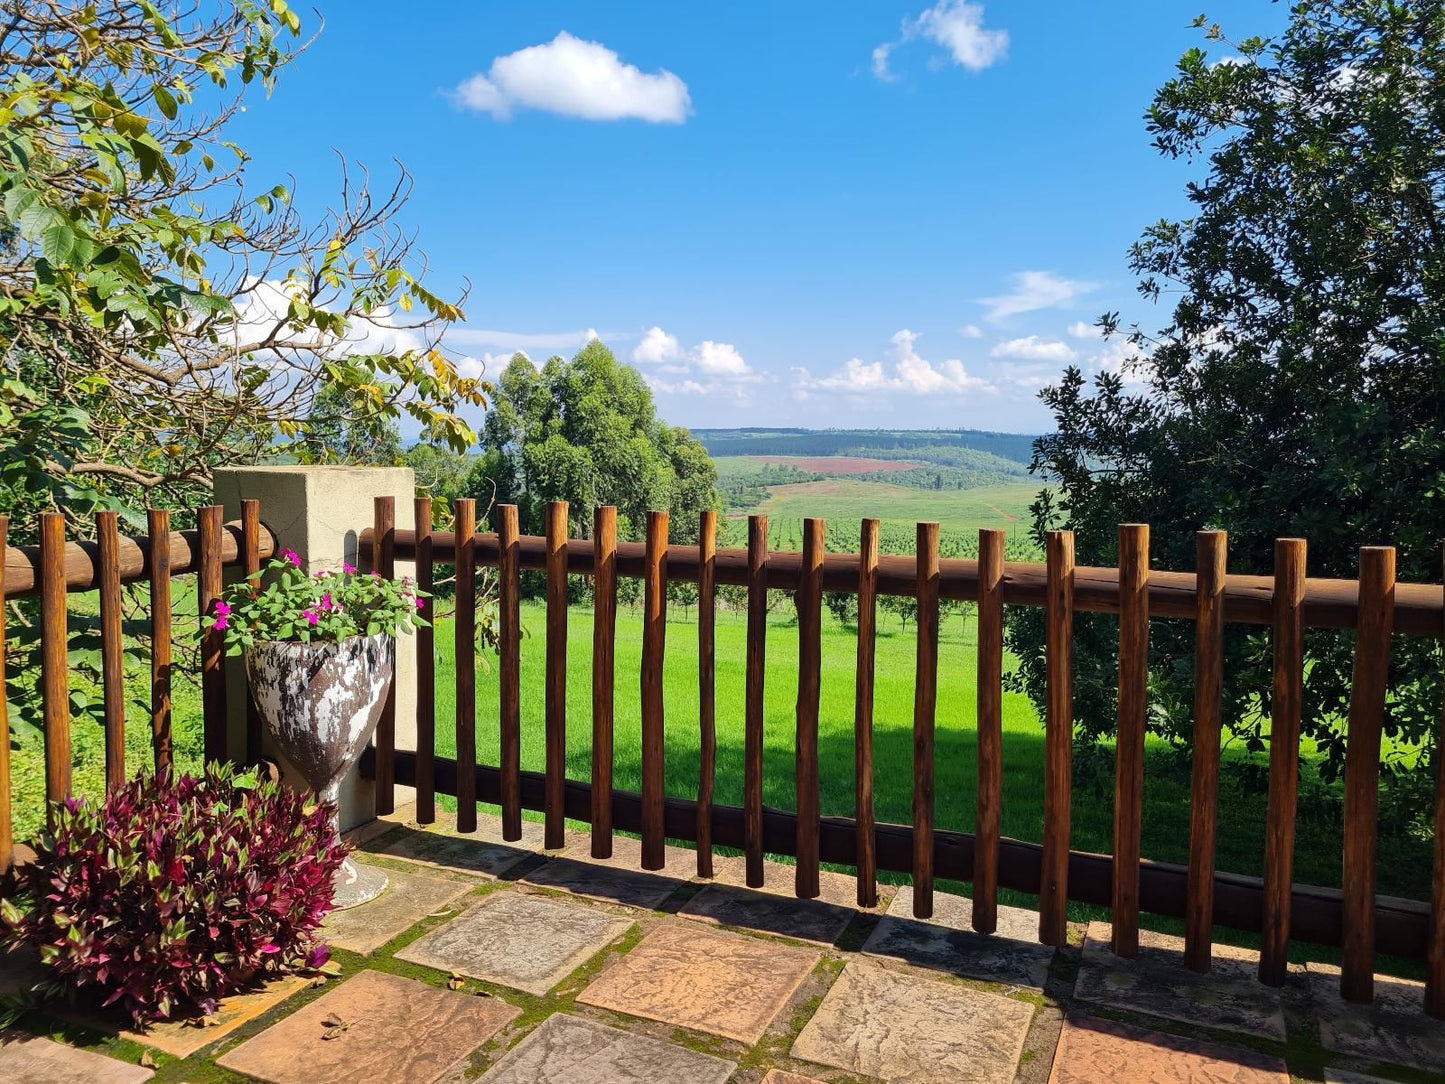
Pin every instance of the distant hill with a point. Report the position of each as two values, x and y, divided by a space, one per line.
932 445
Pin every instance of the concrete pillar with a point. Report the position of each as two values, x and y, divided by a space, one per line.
320 513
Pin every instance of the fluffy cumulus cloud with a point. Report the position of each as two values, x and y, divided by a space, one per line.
1033 290
971 331
957 26
708 368
575 78
1033 348
1080 330
261 315
909 374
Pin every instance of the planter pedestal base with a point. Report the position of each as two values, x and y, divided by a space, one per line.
356 885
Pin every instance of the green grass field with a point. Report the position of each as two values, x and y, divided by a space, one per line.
1004 506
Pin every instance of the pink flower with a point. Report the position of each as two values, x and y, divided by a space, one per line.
348 568
220 621
419 602
311 616
326 601
290 555
222 607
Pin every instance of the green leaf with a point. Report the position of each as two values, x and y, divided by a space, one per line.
166 101
57 239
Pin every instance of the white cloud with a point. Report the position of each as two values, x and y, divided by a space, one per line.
911 374
656 347
540 341
1033 348
1080 330
575 78
971 331
261 315
1035 290
957 26
718 359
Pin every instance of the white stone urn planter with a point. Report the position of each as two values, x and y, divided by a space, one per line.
321 702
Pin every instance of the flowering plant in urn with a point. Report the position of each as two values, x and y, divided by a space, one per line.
320 650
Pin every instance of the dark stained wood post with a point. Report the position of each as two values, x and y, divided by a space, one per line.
1435 933
925 702
654 644
1058 737
706 684
509 606
383 562
464 515
1129 742
7 824
989 803
1209 563
1284 731
554 814
251 566
753 698
810 667
159 530
213 645
867 845
54 663
426 670
1362 770
604 641
112 667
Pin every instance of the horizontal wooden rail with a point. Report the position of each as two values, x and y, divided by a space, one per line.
1328 603
83 559
1316 913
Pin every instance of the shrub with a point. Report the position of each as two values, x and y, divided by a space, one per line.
175 892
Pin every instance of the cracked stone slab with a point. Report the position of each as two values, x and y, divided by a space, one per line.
914 1030
1229 997
184 1035
1093 1050
409 898
619 879
948 942
779 878
396 1030
782 1076
482 852
709 980
526 942
1393 1028
767 912
29 1059
569 1050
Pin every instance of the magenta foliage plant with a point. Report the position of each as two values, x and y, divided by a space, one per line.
176 891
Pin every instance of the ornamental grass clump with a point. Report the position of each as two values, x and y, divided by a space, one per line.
326 607
175 892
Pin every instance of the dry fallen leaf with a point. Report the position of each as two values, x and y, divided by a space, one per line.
455 982
318 981
146 1061
335 1026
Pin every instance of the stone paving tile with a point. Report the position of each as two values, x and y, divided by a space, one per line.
527 942
1102 1052
399 1031
619 879
836 888
29 1059
569 1050
1156 983
709 980
781 1076
183 1036
407 900
481 852
1343 1076
768 912
1394 1028
915 1030
948 942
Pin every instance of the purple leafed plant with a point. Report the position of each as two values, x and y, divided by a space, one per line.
176 892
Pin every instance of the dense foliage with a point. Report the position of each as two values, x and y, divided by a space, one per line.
881 443
586 431
325 607
1298 386
174 893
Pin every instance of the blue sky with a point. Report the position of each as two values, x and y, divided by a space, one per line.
841 214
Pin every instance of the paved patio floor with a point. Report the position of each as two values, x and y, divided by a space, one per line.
511 965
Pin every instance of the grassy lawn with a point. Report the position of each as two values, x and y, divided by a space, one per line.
1403 864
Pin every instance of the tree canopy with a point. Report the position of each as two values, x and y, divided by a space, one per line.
1297 387
586 431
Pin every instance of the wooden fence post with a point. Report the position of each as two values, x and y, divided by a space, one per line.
654 645
555 825
925 703
54 662
159 524
706 685
112 646
1209 563
604 639
464 627
1129 738
426 673
805 745
867 845
753 698
989 733
1058 738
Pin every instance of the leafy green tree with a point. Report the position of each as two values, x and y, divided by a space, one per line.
586 431
162 310
340 429
1297 387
